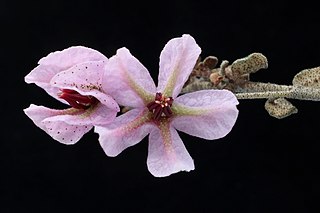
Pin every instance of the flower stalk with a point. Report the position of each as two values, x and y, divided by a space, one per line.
283 91
236 78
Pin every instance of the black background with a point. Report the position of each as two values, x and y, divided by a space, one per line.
263 165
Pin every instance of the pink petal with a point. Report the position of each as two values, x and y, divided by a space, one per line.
85 78
126 130
98 115
41 76
104 99
58 61
167 153
46 119
72 56
208 114
128 81
177 60
66 133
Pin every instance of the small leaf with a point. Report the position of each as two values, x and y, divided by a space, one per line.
280 108
249 64
210 62
308 78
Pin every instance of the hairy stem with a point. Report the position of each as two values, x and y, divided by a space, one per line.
261 87
281 91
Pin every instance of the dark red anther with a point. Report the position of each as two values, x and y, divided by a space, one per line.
157 112
167 111
151 106
160 107
158 96
77 100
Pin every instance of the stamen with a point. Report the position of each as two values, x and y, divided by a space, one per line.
167 111
160 107
76 100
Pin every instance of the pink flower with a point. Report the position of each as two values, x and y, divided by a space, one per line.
74 77
159 111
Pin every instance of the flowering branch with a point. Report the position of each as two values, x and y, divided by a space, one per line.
236 78
94 87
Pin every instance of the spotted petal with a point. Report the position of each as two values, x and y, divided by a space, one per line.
208 114
126 130
177 60
167 153
97 115
85 78
128 81
53 123
58 61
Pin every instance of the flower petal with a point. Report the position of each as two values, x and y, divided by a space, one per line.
85 78
177 61
97 115
65 133
72 56
105 99
128 81
41 76
126 130
58 61
167 153
208 114
47 120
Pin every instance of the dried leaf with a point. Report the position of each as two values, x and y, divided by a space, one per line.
308 78
249 64
210 62
280 108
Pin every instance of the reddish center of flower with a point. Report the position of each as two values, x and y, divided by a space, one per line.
77 100
160 107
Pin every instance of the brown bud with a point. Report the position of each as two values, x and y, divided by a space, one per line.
215 78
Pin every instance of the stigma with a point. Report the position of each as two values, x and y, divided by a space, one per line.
76 100
161 106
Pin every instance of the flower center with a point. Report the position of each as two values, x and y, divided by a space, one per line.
160 107
77 100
